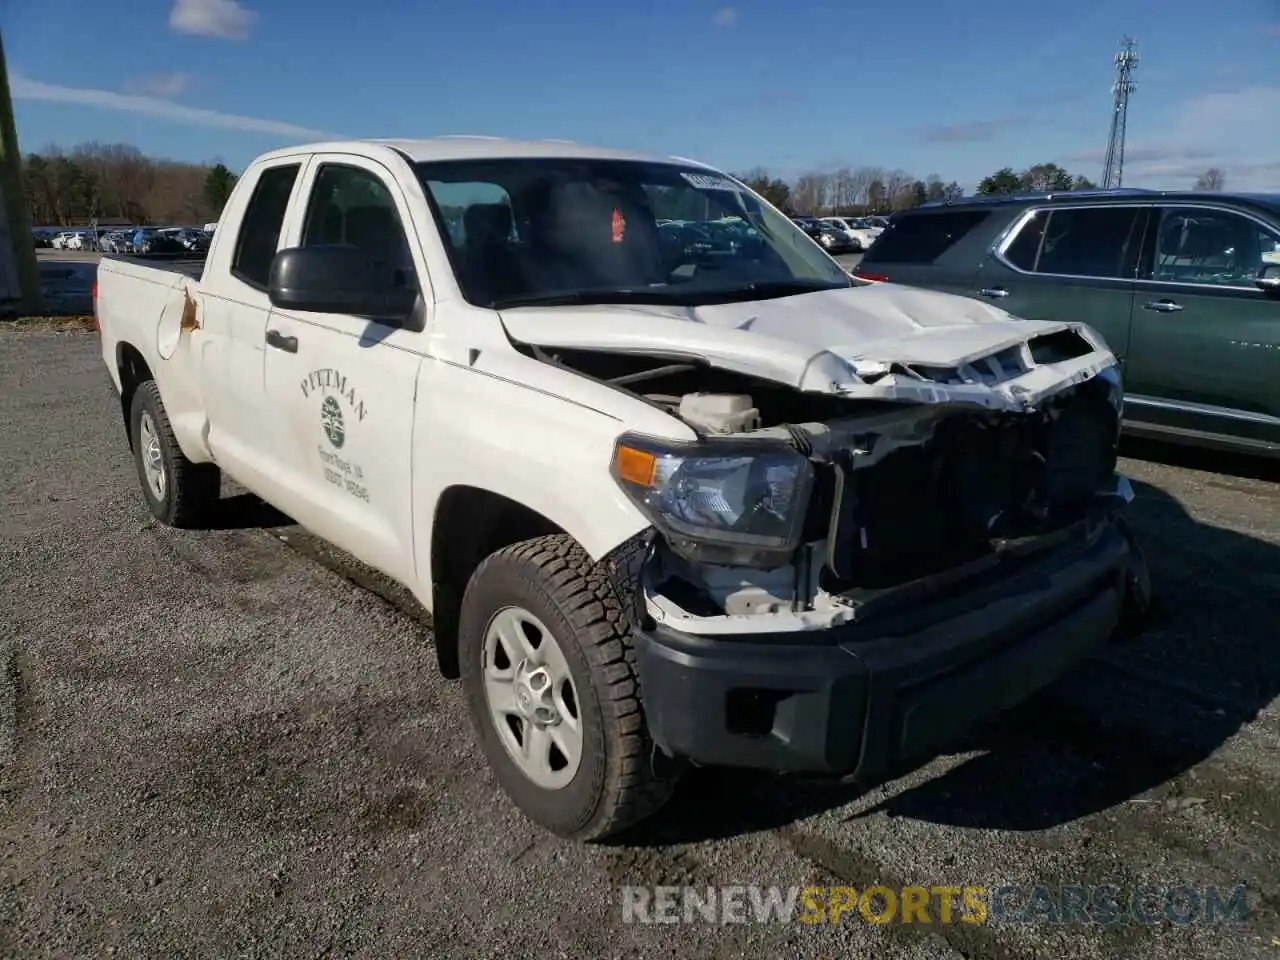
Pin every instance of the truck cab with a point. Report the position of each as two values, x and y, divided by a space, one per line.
663 507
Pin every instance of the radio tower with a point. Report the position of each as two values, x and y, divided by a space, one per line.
1126 63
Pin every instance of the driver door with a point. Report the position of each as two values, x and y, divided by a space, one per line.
341 389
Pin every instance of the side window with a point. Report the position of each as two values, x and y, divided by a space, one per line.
1212 247
1024 249
923 237
1089 242
260 228
351 206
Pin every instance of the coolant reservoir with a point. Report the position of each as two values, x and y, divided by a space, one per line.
719 412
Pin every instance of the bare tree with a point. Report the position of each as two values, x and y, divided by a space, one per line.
840 190
898 192
1212 179
810 192
860 184
95 180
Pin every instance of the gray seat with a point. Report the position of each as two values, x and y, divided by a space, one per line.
584 236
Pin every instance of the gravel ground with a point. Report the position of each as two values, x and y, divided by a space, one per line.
216 743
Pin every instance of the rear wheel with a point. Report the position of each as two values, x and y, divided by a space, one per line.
178 492
549 672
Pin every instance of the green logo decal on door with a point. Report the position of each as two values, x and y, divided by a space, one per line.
331 420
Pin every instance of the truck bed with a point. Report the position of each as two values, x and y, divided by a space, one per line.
191 267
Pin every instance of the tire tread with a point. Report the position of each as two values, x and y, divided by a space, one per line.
633 789
195 486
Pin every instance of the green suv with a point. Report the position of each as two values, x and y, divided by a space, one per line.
1184 287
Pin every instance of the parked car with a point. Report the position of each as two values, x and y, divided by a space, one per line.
829 236
152 241
115 241
859 239
866 224
193 240
659 514
1185 287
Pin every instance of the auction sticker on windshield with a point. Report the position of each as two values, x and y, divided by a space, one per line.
707 182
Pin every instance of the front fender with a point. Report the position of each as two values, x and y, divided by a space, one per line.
529 445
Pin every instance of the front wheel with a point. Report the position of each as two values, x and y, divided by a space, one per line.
549 673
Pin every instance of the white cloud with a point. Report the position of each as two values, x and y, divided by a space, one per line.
24 88
224 19
725 17
164 85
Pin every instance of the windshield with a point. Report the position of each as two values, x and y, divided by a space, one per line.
546 231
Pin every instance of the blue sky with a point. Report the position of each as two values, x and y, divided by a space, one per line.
933 86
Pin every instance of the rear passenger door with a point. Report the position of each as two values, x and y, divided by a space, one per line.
234 320
1205 350
1073 264
341 389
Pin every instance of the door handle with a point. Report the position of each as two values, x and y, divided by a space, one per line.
995 293
278 340
1162 306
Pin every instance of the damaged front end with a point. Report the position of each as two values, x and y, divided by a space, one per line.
799 512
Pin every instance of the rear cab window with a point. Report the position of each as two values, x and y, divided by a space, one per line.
260 227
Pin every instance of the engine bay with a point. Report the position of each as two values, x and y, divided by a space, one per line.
901 493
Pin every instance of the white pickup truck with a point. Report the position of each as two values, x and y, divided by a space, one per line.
666 504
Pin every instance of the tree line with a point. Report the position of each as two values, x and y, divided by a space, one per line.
875 190
118 182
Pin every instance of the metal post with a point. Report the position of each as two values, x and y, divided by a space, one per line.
15 206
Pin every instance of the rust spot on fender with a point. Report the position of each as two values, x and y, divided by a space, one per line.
189 319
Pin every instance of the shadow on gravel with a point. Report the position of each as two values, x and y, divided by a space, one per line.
1127 722
1198 458
245 511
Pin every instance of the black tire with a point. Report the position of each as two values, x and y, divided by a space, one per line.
620 780
1140 608
191 490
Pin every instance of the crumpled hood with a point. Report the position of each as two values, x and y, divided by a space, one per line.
870 342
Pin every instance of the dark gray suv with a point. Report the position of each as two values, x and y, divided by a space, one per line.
1184 287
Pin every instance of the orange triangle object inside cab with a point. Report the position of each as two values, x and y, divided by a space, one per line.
619 226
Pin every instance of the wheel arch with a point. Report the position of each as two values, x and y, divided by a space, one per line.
133 371
469 524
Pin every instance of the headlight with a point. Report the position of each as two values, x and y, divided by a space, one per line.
727 502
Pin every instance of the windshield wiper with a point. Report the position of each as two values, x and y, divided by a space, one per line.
683 295
785 288
567 298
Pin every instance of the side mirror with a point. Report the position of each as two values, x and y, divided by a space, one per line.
1268 279
339 279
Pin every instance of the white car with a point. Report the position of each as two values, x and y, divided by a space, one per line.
662 511
862 236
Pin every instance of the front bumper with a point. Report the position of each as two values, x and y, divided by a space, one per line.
871 697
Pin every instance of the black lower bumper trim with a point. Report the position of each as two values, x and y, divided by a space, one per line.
871 697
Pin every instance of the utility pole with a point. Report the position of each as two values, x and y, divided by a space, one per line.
19 261
1126 62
